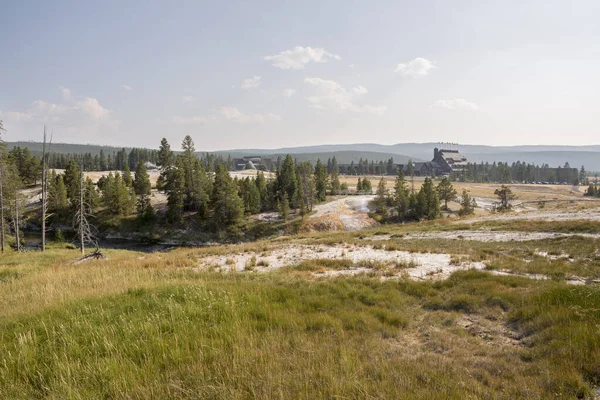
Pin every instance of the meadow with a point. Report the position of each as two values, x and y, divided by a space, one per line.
161 325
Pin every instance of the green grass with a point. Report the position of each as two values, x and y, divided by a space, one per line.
148 326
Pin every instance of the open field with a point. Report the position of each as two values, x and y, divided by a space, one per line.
502 305
493 307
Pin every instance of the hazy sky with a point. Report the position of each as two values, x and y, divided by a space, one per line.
280 73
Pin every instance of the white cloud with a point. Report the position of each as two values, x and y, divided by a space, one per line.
92 108
360 90
289 92
251 83
456 104
227 114
190 120
351 66
417 67
232 113
330 95
66 93
299 56
73 116
127 87
188 99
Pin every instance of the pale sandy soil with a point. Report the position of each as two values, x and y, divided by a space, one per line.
481 235
592 214
424 265
401 264
348 214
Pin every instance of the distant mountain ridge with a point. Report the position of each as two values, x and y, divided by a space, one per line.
589 155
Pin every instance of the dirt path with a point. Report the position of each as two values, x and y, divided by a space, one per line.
348 214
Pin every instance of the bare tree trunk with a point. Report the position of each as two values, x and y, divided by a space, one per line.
44 203
81 214
17 219
1 210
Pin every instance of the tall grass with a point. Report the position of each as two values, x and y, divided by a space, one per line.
148 326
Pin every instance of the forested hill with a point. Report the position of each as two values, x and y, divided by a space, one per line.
67 148
343 157
589 156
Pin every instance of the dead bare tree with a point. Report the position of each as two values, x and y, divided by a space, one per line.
45 214
85 230
16 220
1 187
1 207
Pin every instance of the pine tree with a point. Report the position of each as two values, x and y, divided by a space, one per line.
263 190
287 182
467 204
165 162
175 195
250 196
335 183
446 191
142 188
57 194
127 179
429 203
505 196
71 179
359 185
401 196
306 186
228 208
284 208
321 176
91 197
380 201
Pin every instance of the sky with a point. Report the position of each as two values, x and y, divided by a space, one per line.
268 74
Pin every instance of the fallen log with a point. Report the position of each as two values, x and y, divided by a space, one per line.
94 255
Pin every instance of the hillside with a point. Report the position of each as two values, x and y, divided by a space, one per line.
589 156
343 157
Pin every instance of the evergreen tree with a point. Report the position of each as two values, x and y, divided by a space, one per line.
71 179
250 196
467 204
321 176
335 183
57 194
91 197
306 187
287 183
401 196
102 161
446 191
284 208
427 201
175 195
142 188
263 190
380 201
228 208
127 179
359 185
366 185
505 196
165 162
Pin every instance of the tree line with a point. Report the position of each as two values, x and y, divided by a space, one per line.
519 171
403 204
199 191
